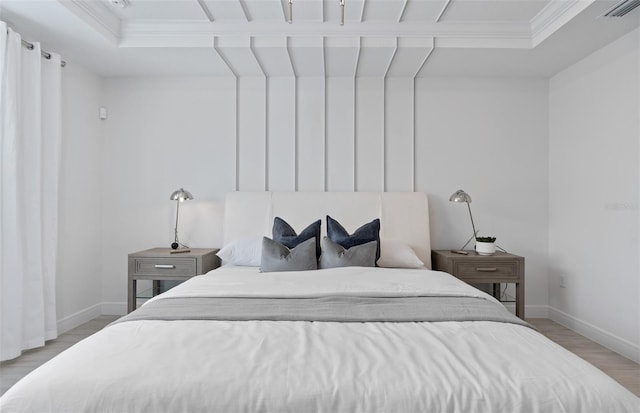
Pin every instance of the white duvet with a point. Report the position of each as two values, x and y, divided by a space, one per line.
276 366
360 281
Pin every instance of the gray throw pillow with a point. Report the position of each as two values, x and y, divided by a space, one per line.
334 255
277 257
366 233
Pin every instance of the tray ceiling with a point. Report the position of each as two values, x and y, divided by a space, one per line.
392 38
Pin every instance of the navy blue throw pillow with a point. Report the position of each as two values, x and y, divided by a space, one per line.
287 236
366 233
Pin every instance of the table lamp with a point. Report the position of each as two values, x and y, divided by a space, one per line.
179 196
461 196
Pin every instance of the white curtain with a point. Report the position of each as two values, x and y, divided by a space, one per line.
29 167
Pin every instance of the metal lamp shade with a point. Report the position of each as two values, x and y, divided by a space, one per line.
460 196
181 195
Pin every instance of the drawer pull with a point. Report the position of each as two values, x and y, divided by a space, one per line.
165 266
486 269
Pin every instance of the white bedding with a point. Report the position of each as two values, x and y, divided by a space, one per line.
254 366
233 281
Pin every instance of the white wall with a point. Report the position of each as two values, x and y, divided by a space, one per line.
163 134
79 269
488 137
594 196
208 135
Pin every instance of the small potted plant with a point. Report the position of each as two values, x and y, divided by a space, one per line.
485 245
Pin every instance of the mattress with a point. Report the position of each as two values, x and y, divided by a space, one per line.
216 365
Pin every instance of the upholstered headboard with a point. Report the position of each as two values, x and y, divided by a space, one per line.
403 215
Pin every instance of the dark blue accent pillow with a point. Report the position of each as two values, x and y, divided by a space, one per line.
287 236
366 233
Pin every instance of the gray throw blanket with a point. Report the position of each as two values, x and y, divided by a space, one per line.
332 308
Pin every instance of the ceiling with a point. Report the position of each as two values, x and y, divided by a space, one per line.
415 38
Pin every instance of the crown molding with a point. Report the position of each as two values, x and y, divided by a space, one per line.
189 33
553 16
201 34
96 15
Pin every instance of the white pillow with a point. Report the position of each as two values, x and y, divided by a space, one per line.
246 252
397 254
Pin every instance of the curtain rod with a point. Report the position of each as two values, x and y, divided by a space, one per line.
44 54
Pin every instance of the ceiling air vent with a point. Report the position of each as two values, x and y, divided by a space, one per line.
622 8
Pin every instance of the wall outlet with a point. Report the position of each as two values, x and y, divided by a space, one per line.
563 281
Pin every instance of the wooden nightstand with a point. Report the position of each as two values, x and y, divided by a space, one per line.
158 264
494 269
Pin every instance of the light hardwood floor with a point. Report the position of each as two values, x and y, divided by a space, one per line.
13 370
620 368
623 370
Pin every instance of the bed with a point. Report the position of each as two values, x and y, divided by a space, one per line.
345 339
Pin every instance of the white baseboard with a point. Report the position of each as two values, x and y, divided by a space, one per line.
600 336
79 318
530 311
536 311
88 314
114 308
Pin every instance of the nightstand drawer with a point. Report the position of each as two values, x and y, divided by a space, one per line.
486 268
164 266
